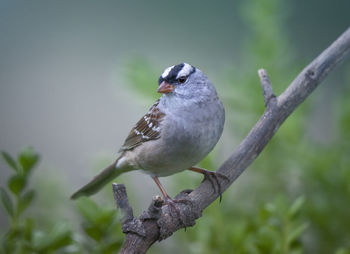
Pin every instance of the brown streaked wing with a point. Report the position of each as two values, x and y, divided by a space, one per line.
146 129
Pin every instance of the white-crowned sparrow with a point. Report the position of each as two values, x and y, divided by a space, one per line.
178 131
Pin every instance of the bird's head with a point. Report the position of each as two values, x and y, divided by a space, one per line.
176 78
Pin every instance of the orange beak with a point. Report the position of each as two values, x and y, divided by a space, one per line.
165 87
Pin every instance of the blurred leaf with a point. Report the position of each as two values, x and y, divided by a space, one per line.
28 158
111 246
142 76
6 201
10 161
296 206
294 234
28 228
89 209
93 232
343 251
99 221
58 237
106 218
16 183
26 200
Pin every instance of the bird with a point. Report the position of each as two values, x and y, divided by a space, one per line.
177 132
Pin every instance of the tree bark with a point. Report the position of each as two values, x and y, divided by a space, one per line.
158 222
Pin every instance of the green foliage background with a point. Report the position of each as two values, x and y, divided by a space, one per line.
294 198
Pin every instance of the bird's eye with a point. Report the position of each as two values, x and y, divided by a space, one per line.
182 79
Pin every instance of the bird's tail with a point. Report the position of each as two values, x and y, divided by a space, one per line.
107 174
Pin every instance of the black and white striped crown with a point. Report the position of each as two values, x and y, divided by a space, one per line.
172 73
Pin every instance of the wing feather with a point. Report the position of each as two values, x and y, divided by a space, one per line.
146 129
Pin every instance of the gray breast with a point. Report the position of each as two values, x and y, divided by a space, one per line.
192 134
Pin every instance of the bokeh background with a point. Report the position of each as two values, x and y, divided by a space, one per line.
75 76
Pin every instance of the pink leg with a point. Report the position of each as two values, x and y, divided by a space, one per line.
165 195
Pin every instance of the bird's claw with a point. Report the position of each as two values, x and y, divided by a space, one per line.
173 209
212 176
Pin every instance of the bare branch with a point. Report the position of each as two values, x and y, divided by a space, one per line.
122 202
128 221
164 223
138 237
266 86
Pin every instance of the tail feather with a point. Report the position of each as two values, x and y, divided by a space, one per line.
107 174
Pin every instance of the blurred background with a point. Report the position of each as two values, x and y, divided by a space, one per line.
75 76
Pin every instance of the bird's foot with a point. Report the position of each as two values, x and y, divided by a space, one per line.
213 178
173 209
